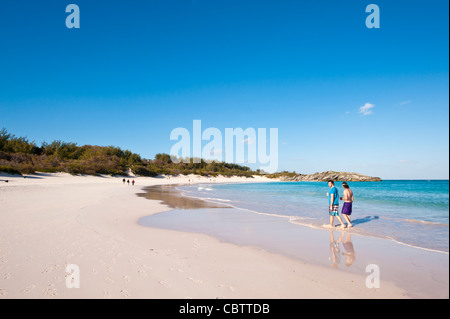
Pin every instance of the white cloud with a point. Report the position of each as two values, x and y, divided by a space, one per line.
366 109
404 103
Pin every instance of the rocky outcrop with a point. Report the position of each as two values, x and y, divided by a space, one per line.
330 175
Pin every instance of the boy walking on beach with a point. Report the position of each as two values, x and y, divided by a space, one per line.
334 205
348 201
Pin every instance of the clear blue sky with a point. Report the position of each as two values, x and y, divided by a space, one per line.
136 70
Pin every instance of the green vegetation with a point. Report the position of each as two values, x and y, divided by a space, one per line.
282 174
18 155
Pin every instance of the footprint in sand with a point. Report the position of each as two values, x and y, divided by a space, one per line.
47 270
134 260
94 271
109 280
126 278
3 259
142 272
196 245
125 294
50 292
165 284
7 276
28 289
107 294
197 281
2 292
231 288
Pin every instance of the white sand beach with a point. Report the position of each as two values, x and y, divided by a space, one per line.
49 221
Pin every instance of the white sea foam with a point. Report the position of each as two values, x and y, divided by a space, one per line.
300 204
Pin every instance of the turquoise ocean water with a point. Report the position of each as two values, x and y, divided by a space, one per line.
410 212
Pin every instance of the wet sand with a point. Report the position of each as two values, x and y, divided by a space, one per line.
422 273
49 222
168 195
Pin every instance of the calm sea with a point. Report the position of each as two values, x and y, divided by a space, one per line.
411 212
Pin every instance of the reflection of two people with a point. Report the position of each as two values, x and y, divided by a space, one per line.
336 253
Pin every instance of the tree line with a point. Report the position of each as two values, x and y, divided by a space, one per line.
18 155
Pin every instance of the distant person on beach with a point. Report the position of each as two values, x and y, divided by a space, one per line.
123 180
128 181
348 202
132 182
334 205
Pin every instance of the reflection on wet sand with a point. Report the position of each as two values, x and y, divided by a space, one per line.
341 246
171 197
349 254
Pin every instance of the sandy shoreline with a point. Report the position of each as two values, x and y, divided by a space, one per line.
52 220
423 273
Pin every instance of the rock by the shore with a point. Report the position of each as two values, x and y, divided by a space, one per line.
330 175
